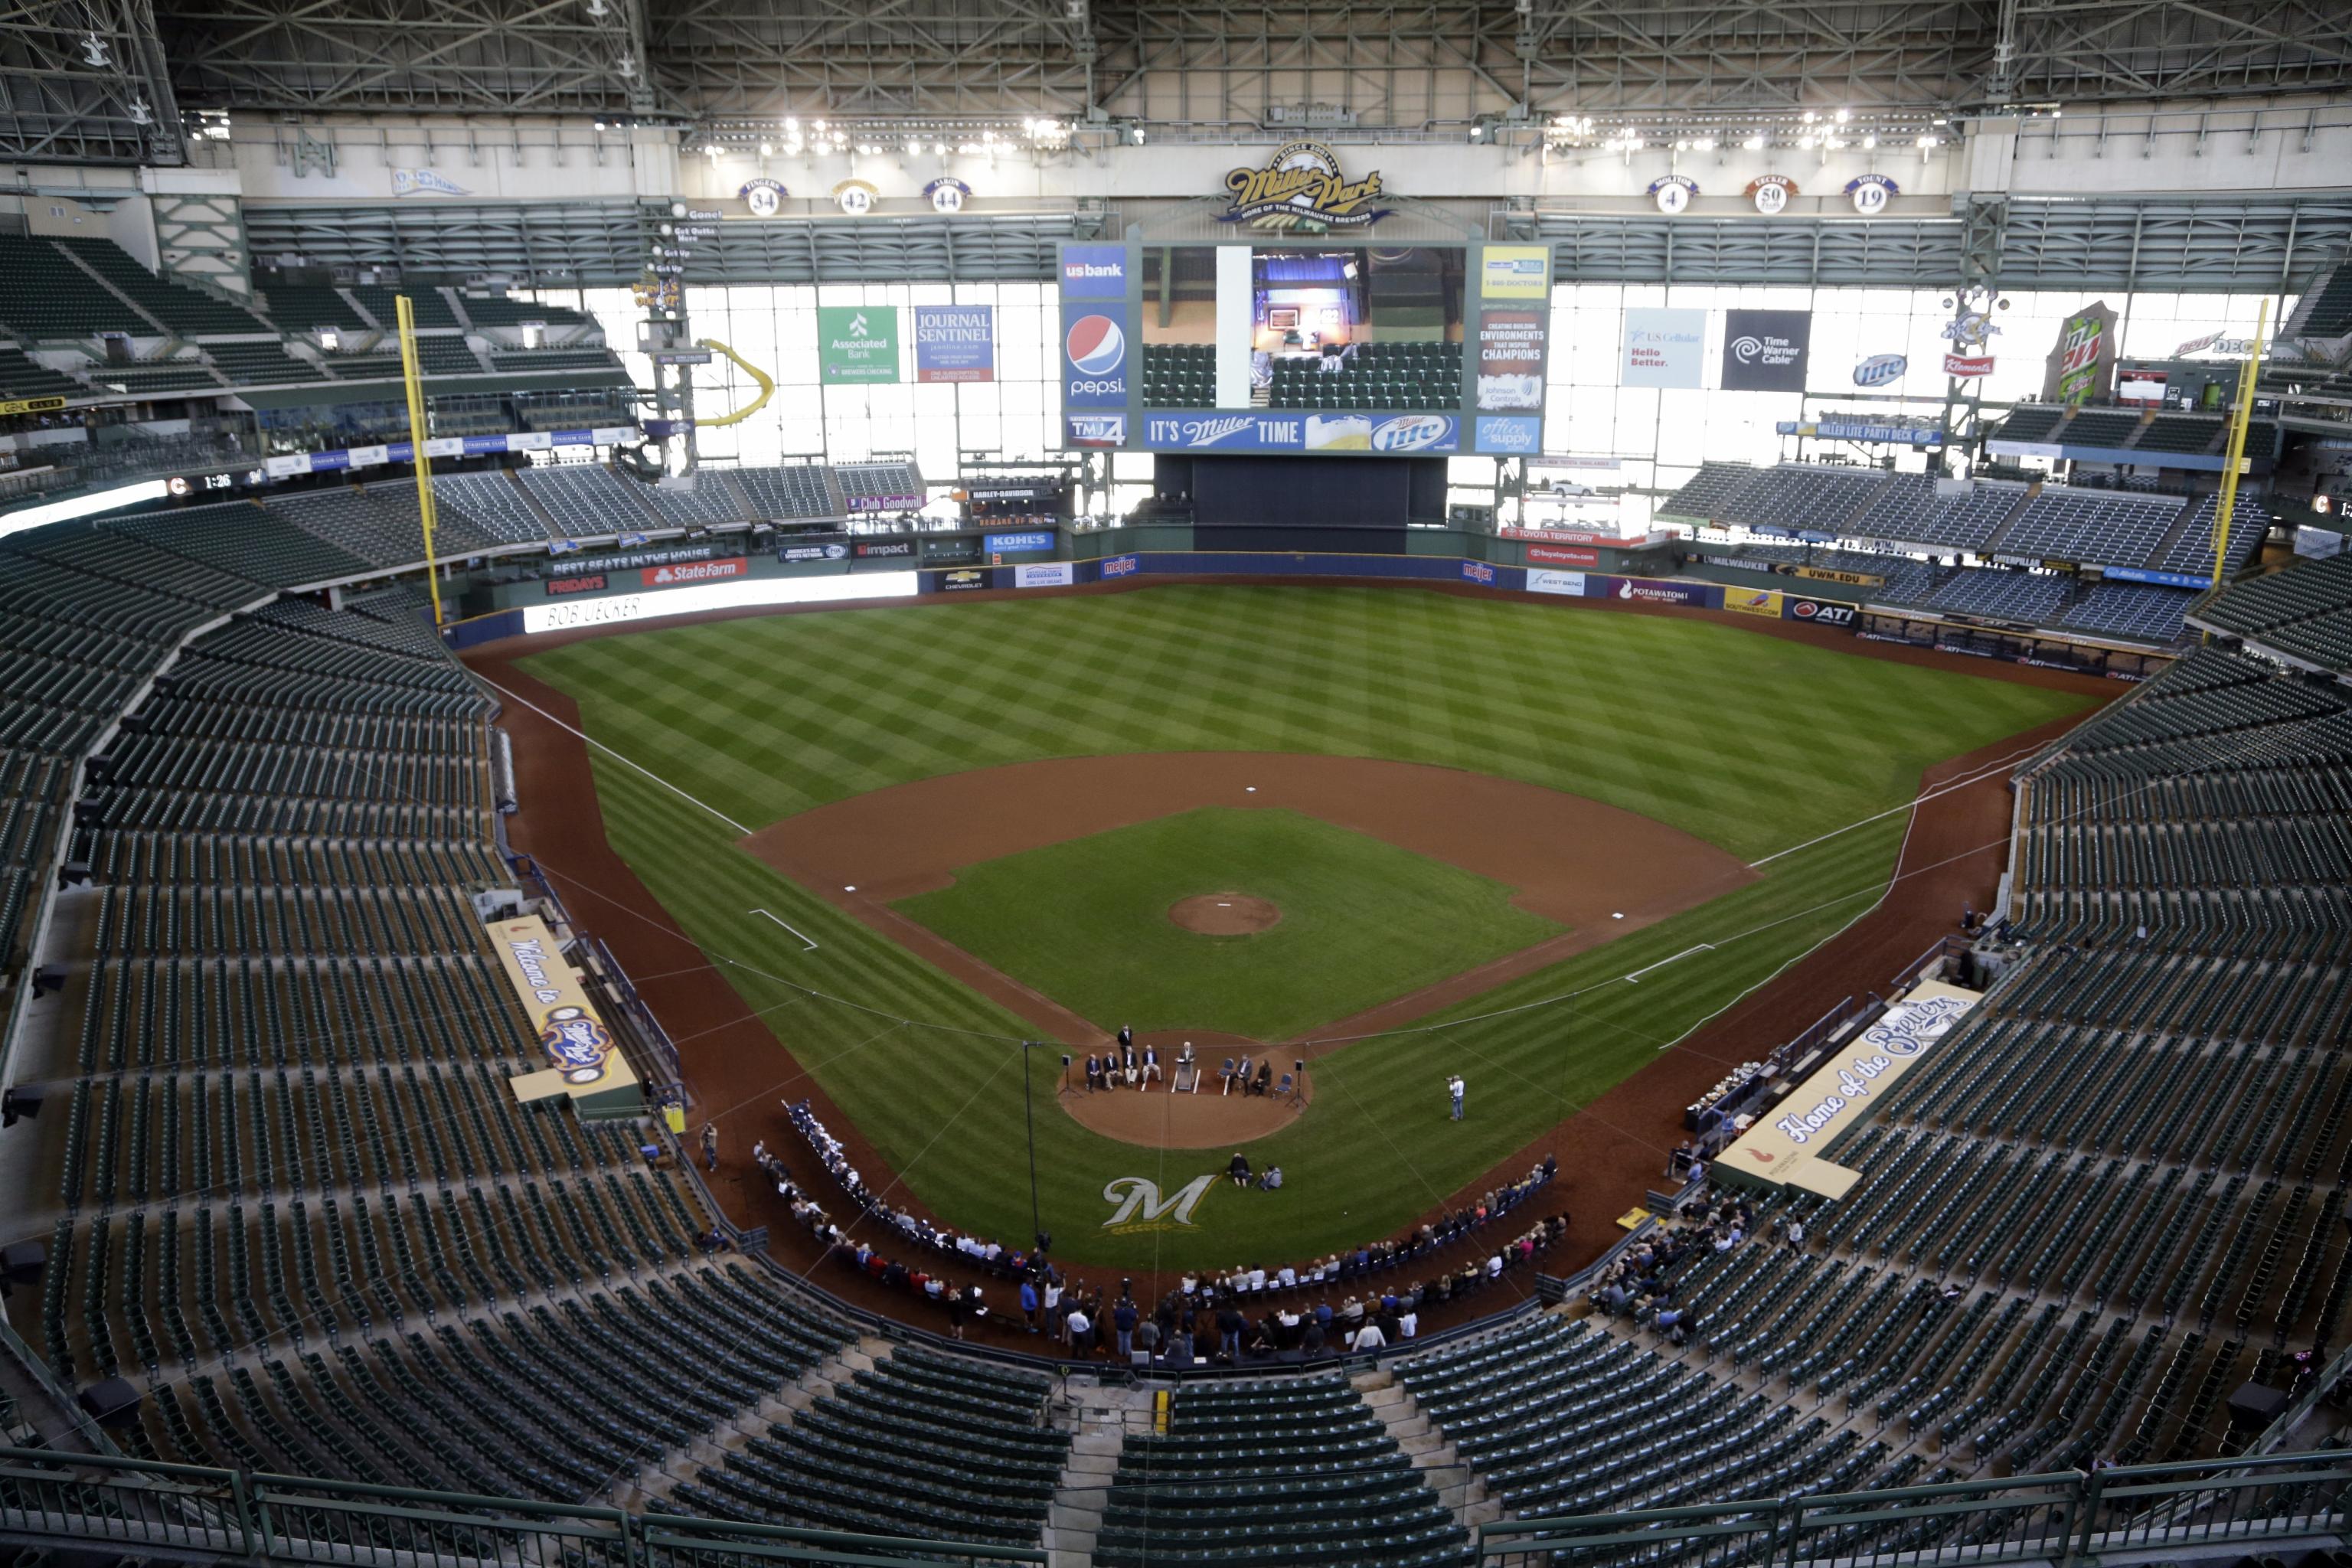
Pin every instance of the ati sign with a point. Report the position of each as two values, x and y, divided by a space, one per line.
1820 612
1301 187
1137 1205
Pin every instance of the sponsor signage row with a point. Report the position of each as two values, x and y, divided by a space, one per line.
1819 612
1562 555
1862 430
1581 536
792 553
1568 583
1206 430
679 575
343 457
1764 602
1017 543
962 580
1044 574
2164 579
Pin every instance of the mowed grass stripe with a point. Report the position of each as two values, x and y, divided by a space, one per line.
1752 743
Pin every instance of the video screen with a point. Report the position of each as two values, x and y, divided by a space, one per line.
1385 325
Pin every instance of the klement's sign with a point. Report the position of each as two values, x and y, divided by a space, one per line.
1301 187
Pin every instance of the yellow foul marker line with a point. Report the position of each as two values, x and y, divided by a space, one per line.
408 376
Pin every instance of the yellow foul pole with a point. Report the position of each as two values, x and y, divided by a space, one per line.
416 443
2238 445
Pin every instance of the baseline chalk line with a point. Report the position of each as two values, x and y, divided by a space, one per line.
788 926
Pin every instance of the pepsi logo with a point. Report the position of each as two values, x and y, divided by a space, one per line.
1095 346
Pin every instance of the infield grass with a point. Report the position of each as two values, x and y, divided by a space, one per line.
1753 743
1085 921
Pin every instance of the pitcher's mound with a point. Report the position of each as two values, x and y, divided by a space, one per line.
1213 1117
1225 914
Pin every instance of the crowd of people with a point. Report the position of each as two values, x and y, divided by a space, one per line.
1206 1317
1125 1064
1640 1282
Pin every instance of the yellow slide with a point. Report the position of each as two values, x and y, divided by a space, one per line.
767 386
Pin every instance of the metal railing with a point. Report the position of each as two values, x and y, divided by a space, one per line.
145 1508
2114 1516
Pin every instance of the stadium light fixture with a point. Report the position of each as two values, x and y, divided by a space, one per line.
1754 144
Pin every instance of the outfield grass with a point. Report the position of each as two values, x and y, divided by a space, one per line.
1085 921
1754 742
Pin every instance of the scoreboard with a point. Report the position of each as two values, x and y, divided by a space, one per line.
1322 342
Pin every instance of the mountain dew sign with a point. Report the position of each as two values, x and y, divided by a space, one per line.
857 344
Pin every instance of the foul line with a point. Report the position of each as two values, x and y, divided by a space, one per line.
789 927
739 827
1977 777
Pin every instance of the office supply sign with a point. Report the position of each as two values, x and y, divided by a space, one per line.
857 344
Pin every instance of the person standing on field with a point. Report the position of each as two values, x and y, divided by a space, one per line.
710 1147
1454 1089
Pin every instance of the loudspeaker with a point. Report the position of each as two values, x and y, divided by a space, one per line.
20 1101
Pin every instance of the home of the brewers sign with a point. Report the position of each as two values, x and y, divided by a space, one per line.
1301 187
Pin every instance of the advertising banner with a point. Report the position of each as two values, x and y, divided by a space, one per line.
962 580
2081 365
857 344
1511 356
1096 429
1662 348
1763 602
1651 591
1820 612
1392 433
1765 351
1966 365
1843 1090
955 342
1094 272
1044 574
1585 536
812 553
1506 436
582 1055
1094 356
1561 555
1120 566
1478 572
1570 583
1014 543
694 572
2169 579
588 583
883 549
1206 430
1516 272
1825 574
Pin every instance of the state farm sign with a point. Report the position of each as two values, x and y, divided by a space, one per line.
685 572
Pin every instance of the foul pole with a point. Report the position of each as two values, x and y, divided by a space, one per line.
408 375
2237 448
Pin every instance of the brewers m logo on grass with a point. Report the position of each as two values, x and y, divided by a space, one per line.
1301 187
1134 1197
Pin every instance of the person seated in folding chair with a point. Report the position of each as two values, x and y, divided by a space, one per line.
1151 1068
1131 1066
1094 1072
1264 1079
1240 1076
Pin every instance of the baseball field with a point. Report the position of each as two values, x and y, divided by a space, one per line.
1529 843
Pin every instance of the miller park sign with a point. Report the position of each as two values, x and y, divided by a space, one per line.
1301 186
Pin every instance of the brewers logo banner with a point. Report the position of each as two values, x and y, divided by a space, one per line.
583 1056
1301 187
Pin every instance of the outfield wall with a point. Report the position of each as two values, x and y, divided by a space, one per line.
846 588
